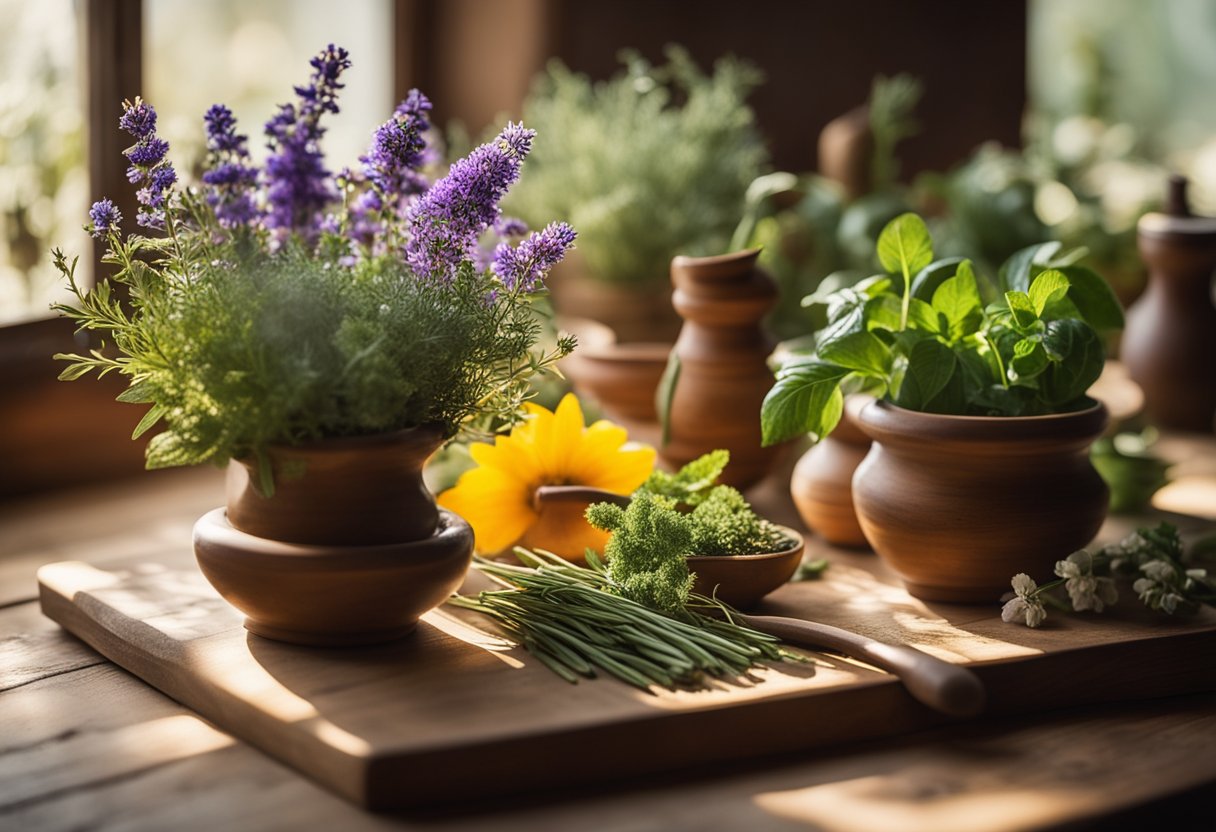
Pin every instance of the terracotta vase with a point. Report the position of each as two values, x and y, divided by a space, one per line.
822 482
635 311
1169 342
957 505
724 374
350 549
623 378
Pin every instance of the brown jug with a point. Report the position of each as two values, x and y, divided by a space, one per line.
1169 343
722 353
822 482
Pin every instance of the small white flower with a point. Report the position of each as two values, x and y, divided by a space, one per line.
1170 601
1023 585
1031 609
1160 571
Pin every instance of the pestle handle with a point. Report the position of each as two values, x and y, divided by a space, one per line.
940 685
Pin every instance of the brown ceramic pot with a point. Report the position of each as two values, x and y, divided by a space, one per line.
1169 343
638 311
958 505
724 374
351 549
822 482
621 377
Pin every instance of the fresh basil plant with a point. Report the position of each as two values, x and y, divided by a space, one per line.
925 336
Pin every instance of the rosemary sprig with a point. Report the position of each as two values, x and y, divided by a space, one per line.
572 620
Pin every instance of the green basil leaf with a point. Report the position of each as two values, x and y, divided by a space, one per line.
1077 360
930 366
861 351
933 275
805 399
1029 359
883 312
1049 287
958 298
1022 309
845 316
923 316
1094 298
904 246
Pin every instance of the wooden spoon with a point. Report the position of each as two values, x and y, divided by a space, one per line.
940 685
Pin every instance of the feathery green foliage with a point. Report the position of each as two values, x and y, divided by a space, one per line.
653 163
646 553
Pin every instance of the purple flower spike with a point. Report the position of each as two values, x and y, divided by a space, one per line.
524 268
446 221
227 172
105 218
398 149
298 186
138 118
149 169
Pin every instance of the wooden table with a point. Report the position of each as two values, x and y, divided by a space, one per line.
85 745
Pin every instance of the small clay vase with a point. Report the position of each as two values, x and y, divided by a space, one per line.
822 482
958 505
1169 342
724 375
349 550
635 311
846 152
621 377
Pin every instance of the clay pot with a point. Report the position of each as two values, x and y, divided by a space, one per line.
822 482
350 549
724 375
957 505
742 580
621 377
1170 339
560 526
846 152
638 311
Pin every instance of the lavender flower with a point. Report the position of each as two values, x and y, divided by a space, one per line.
228 173
510 227
149 168
105 218
447 220
298 184
398 149
524 268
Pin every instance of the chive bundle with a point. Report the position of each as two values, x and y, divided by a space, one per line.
568 617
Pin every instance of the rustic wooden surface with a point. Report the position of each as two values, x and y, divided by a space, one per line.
85 745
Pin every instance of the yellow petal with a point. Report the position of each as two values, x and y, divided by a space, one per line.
497 505
627 469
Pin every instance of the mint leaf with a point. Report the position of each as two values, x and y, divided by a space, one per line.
923 316
933 275
904 246
958 298
1077 359
1094 298
930 366
805 399
1047 288
1022 309
861 351
1016 272
1029 359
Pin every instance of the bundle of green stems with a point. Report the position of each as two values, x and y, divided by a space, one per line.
569 618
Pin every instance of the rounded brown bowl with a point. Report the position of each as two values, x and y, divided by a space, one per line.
742 580
330 595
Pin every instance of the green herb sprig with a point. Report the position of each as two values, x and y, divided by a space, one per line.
576 622
922 336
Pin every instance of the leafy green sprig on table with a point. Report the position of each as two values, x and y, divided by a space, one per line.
923 336
1164 579
577 619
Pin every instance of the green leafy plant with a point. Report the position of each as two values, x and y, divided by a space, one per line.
652 163
923 336
286 305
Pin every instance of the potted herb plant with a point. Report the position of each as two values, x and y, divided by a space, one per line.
649 164
321 335
979 464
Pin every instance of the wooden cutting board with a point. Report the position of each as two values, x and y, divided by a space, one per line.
453 711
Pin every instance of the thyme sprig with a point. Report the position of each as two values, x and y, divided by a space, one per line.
572 619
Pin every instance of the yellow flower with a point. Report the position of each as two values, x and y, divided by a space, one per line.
550 448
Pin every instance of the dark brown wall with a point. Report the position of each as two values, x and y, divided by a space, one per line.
819 58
